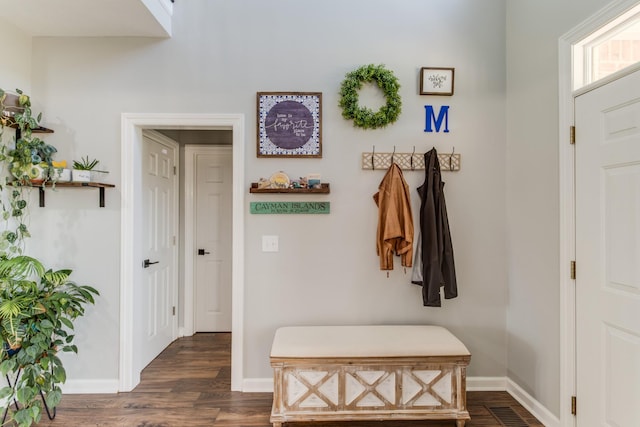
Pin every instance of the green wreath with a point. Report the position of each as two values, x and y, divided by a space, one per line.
365 117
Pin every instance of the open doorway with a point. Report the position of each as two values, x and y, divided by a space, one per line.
131 238
204 237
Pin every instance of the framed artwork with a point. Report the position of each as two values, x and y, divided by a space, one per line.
436 81
289 124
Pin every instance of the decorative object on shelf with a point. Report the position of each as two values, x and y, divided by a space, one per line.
84 170
29 173
80 175
263 183
449 162
38 306
85 164
365 117
60 173
257 188
289 124
279 180
436 81
313 180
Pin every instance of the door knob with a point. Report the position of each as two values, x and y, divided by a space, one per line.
203 252
146 263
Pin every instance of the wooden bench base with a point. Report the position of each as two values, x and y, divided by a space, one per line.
375 387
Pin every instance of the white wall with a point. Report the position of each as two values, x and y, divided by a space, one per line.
326 272
533 313
16 58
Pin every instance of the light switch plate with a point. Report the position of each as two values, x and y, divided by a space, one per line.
269 243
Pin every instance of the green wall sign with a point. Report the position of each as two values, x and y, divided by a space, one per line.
290 207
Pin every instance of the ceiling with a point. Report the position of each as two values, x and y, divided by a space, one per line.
89 18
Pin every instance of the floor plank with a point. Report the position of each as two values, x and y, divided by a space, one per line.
188 385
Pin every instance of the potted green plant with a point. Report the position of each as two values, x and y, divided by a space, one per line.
84 170
31 158
37 309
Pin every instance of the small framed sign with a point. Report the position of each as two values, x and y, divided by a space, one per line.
436 81
289 124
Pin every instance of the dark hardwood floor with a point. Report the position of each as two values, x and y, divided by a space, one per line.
188 385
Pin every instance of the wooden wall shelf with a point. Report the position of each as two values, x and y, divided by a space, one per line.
324 189
99 185
8 122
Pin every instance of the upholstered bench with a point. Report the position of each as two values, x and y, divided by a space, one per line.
336 373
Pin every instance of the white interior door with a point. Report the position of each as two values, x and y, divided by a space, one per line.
159 285
213 208
608 254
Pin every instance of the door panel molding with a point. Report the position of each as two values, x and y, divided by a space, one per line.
165 284
132 125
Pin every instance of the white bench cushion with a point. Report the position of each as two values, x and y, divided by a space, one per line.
365 341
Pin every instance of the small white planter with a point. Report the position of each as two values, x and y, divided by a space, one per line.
61 175
81 176
98 176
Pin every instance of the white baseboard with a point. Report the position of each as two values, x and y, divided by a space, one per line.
257 385
486 383
532 405
90 386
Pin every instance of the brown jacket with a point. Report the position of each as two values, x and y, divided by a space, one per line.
395 223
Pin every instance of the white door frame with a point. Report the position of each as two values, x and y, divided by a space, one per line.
190 152
567 196
132 125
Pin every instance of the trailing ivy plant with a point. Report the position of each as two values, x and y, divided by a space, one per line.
13 203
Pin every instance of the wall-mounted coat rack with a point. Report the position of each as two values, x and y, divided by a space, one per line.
408 161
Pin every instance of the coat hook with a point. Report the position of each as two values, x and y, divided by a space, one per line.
393 154
373 164
451 159
413 154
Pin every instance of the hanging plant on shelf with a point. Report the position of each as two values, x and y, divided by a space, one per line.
31 158
365 117
15 158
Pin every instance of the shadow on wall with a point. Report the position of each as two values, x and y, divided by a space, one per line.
522 358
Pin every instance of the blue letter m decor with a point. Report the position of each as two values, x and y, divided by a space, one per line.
437 122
